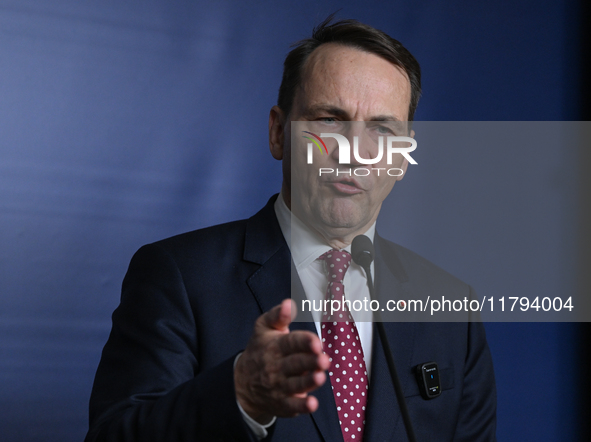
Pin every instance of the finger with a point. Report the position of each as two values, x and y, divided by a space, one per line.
294 310
279 317
300 341
299 363
312 404
303 383
298 405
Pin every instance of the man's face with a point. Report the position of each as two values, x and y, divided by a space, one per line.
343 84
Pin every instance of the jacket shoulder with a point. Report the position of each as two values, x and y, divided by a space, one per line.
409 266
208 238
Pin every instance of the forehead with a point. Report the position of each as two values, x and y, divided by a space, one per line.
359 83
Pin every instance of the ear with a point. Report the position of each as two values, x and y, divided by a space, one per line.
404 164
276 132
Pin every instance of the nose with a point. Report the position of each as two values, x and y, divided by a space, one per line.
363 146
350 135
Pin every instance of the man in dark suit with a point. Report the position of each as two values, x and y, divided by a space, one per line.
183 361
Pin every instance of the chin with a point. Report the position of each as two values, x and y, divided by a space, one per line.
345 212
344 220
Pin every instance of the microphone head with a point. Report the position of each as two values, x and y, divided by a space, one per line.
362 251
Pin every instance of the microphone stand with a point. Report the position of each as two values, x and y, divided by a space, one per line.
390 360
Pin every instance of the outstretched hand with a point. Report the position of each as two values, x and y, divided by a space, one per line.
279 368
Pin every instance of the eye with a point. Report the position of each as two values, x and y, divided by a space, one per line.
328 120
384 130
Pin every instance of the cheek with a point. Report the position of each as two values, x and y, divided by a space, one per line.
286 167
304 182
397 160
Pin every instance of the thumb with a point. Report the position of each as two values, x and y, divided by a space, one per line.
280 316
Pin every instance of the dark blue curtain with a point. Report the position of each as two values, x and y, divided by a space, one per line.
123 122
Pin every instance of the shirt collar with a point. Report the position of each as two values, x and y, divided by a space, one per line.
304 244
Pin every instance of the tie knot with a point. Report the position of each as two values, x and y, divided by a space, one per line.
337 263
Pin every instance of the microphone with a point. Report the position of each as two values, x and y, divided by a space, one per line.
362 252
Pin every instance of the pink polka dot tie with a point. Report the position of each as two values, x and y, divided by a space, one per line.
341 343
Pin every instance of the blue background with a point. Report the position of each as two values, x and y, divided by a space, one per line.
123 122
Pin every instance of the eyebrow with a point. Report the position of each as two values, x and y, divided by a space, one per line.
341 113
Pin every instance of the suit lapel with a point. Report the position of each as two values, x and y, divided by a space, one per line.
275 280
264 245
384 421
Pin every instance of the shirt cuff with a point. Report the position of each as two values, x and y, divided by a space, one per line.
259 430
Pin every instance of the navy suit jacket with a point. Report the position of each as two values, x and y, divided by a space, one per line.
188 306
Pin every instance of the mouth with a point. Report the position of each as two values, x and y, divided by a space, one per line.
345 185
